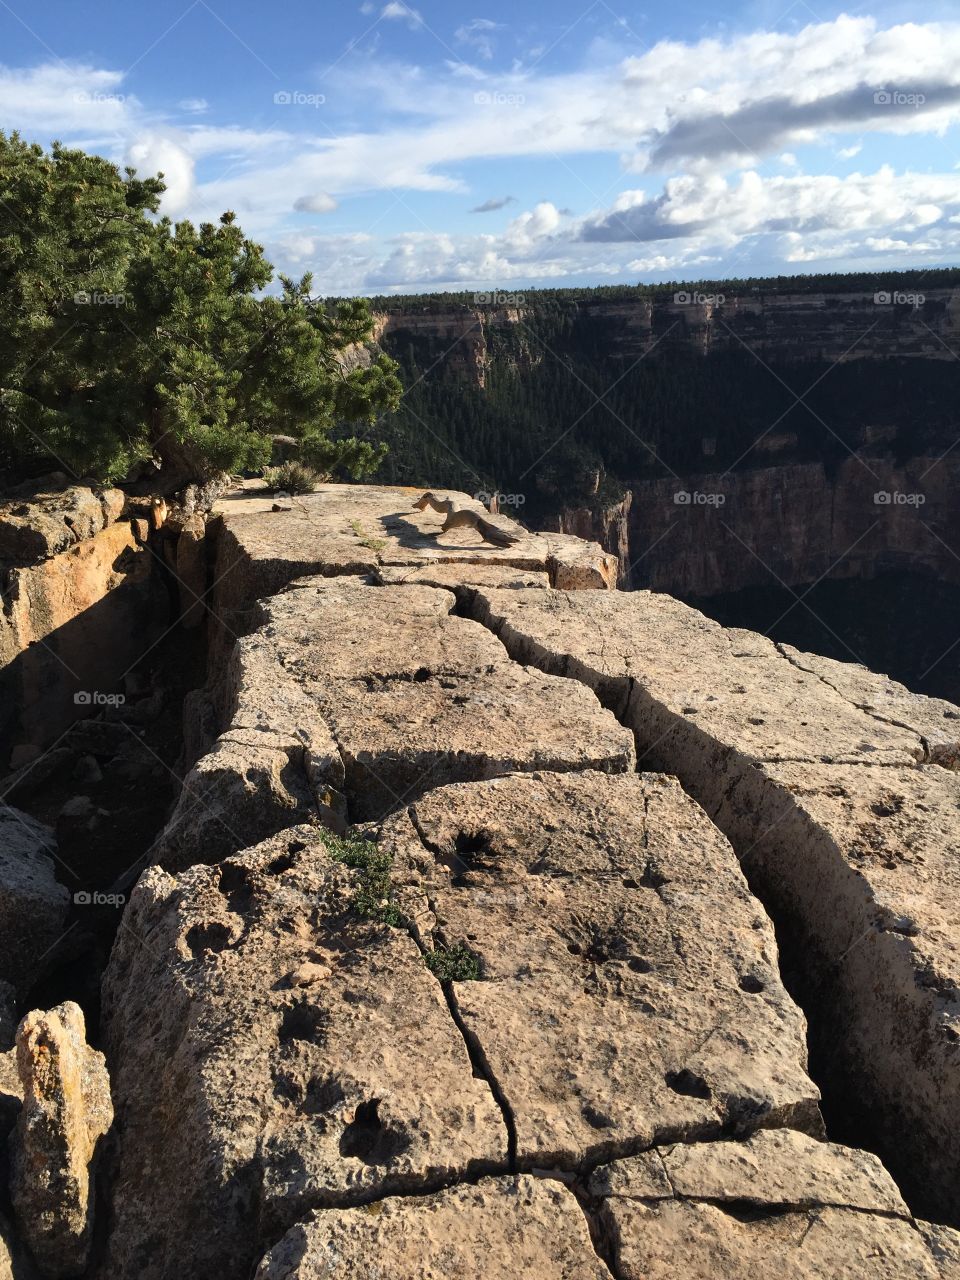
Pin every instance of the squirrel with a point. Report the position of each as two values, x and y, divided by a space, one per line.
458 517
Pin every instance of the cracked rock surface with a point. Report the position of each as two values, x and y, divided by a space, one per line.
850 841
935 721
273 1051
355 699
777 1205
502 1227
630 991
354 529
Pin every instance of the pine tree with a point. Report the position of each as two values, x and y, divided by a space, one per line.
125 337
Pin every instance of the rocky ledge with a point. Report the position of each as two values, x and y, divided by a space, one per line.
457 955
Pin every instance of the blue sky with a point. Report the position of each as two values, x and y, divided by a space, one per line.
394 147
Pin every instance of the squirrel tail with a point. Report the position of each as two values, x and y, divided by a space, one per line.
496 536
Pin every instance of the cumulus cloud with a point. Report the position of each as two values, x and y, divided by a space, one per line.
751 205
158 154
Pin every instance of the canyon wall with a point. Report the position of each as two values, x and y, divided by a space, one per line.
802 327
714 533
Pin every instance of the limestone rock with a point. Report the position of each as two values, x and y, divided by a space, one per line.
66 1111
351 697
452 576
70 622
191 571
38 527
500 1228
935 721
629 990
353 529
851 842
777 1206
272 1052
33 905
733 686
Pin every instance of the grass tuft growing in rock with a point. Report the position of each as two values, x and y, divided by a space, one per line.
455 964
367 540
373 899
293 477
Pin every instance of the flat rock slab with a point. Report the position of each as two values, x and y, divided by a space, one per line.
852 844
501 1228
936 721
33 904
360 698
734 686
628 991
778 1205
271 1052
353 529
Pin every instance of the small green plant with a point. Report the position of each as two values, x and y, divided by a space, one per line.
373 544
373 899
293 477
454 964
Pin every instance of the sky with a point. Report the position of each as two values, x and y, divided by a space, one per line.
389 147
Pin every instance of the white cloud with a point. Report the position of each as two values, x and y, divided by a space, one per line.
403 12
193 106
157 154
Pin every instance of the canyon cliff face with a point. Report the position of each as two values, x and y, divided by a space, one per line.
844 488
802 327
713 534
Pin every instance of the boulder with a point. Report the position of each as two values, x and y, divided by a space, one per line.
66 1111
33 905
502 1227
